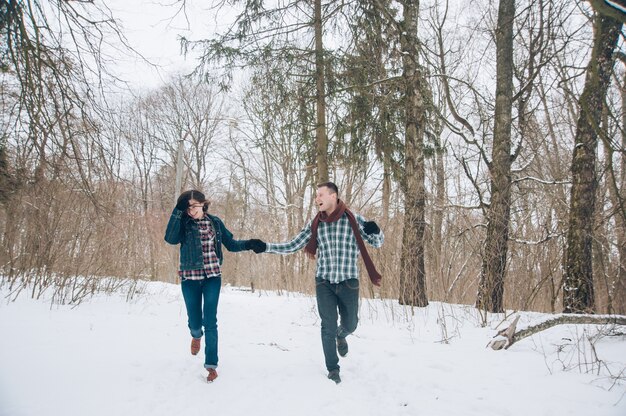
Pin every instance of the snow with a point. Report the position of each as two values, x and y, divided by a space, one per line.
108 356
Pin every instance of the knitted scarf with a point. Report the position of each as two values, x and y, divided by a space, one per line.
311 247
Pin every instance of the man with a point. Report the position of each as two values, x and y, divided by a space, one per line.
337 236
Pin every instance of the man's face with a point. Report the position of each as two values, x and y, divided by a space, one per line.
325 199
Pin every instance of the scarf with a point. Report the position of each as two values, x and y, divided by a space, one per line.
311 246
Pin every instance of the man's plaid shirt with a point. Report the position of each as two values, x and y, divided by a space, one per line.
337 250
211 261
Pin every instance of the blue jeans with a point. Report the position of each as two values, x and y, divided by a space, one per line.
340 297
199 315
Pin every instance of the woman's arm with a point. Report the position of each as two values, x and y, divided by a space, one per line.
173 230
228 240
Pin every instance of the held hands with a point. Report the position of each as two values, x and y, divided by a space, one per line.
256 245
370 227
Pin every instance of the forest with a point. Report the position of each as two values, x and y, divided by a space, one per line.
486 138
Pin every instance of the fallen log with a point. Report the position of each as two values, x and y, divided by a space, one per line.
507 336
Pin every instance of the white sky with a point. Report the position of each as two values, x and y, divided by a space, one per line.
153 29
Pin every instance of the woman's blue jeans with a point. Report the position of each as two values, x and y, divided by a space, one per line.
340 297
201 298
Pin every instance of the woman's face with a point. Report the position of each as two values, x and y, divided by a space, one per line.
195 209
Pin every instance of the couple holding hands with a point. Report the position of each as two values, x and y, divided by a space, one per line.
335 237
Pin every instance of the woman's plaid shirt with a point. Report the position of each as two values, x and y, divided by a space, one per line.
337 250
211 261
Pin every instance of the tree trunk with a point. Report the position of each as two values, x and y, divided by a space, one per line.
616 285
413 274
386 191
7 183
619 287
578 290
491 287
320 127
513 336
438 215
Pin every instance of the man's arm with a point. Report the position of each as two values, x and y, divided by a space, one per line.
297 243
370 232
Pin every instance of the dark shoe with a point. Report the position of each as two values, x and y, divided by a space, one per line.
212 375
195 346
334 376
342 346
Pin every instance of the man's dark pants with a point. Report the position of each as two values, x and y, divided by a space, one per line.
340 297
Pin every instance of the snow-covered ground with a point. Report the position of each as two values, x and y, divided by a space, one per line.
112 357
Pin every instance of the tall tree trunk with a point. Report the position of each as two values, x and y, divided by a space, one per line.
7 184
491 288
438 213
578 290
386 191
320 127
619 286
413 273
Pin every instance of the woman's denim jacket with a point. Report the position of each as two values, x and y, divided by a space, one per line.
183 230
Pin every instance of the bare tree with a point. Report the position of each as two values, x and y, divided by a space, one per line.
53 70
190 111
53 53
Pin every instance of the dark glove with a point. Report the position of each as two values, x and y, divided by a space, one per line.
183 202
256 245
370 227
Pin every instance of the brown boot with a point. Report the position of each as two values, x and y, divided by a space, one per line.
195 346
212 375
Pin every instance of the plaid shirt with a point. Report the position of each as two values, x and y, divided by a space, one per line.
211 261
337 250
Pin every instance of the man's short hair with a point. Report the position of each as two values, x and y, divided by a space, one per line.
331 186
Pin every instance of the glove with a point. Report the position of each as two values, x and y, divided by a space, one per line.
256 245
183 202
370 227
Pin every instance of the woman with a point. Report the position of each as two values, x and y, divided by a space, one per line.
201 236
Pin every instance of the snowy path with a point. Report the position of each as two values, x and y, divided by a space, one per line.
110 357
